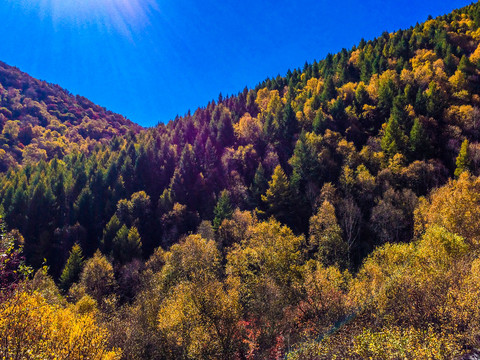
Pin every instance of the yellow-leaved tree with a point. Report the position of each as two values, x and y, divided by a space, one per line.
199 315
33 328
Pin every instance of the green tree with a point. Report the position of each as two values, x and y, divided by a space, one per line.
393 140
278 195
134 244
259 186
320 122
127 245
386 95
109 234
223 210
329 91
361 96
435 100
463 159
419 143
73 268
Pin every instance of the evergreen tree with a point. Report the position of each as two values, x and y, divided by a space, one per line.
288 124
223 210
386 95
73 268
109 234
259 186
127 245
361 97
419 144
466 66
134 244
393 140
449 62
463 160
398 111
329 91
304 165
420 102
278 196
435 100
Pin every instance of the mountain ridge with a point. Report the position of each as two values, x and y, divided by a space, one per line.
30 107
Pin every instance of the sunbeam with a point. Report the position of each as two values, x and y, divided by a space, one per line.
121 16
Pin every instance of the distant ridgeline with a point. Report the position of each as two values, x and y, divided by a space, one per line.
40 121
345 152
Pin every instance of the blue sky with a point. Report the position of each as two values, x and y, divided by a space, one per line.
152 59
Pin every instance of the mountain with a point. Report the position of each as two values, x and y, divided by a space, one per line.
329 213
40 121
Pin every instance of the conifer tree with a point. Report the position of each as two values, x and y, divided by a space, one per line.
386 95
463 160
288 124
223 210
319 123
361 96
134 244
419 145
278 195
73 268
127 245
329 91
435 100
109 234
398 110
259 186
393 139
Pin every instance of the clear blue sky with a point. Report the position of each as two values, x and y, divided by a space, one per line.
152 59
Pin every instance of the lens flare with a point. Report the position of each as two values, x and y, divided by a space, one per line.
124 16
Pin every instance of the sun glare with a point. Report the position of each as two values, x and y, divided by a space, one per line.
125 16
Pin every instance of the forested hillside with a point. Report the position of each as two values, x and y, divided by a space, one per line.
329 213
41 121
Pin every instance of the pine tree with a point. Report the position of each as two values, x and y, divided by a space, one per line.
127 245
361 96
304 165
465 65
109 234
134 243
329 91
398 110
393 139
419 144
259 186
73 268
320 123
386 95
420 102
288 124
278 196
463 160
223 210
435 100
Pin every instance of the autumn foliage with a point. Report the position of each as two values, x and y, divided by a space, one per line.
330 213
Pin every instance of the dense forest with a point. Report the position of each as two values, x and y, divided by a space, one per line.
329 213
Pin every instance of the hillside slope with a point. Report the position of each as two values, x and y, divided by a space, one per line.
39 120
334 210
